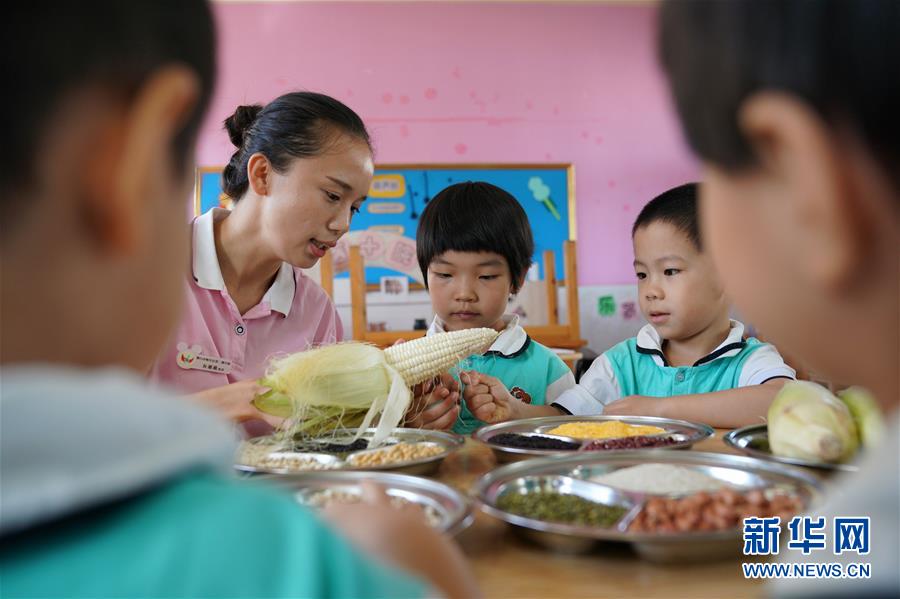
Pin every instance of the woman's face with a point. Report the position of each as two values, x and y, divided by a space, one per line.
309 207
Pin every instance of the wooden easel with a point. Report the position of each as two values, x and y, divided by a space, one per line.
553 334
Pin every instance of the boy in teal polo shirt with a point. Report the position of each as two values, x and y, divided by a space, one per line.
107 488
690 362
474 247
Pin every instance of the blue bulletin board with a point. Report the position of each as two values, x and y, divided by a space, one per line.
400 192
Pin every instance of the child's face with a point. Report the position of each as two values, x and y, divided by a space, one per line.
469 289
308 208
678 287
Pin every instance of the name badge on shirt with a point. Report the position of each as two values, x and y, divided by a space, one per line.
192 358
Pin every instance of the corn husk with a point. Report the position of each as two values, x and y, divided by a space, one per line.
357 385
807 422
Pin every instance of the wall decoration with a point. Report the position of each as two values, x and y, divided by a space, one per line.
400 192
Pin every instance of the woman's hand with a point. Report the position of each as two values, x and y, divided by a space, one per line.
234 401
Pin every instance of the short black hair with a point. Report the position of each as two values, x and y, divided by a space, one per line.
842 57
476 217
678 207
294 125
51 50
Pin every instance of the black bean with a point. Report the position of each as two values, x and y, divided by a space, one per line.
532 442
337 448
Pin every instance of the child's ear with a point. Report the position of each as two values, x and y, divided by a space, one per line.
123 176
516 285
806 162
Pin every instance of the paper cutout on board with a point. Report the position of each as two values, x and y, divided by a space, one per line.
392 229
606 305
388 186
380 250
541 193
385 207
629 310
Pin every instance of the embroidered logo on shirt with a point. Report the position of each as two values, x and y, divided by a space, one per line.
192 358
520 394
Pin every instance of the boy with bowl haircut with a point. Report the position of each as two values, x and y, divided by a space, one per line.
474 247
691 361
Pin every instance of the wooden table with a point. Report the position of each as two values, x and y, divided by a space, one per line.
507 566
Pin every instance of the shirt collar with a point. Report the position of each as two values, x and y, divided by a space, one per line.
208 274
205 262
512 339
649 342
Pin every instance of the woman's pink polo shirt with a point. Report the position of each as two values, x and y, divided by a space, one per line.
215 345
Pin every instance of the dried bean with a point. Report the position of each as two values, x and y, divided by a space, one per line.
558 507
532 442
396 454
638 442
721 510
337 448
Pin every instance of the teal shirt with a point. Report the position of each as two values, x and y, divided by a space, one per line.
637 373
532 370
198 536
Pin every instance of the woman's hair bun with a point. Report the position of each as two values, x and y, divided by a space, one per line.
240 122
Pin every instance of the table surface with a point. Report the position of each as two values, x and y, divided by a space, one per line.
508 566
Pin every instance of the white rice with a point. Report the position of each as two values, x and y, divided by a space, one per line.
661 479
323 498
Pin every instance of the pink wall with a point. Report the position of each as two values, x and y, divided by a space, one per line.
477 83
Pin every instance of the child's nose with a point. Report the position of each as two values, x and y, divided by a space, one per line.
465 292
654 292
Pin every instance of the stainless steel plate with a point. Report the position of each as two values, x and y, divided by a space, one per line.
448 441
742 472
452 509
754 441
687 433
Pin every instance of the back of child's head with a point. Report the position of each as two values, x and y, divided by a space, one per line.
53 51
476 217
677 207
841 57
294 125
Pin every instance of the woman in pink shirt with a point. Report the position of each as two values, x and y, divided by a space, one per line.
302 168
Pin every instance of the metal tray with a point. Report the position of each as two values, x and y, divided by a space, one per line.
556 473
754 441
449 441
453 509
686 432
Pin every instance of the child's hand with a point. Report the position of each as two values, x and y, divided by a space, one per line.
488 399
401 537
435 404
636 405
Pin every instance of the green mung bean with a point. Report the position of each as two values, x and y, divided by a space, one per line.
557 507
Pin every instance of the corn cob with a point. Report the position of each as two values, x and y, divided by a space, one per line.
336 385
425 358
